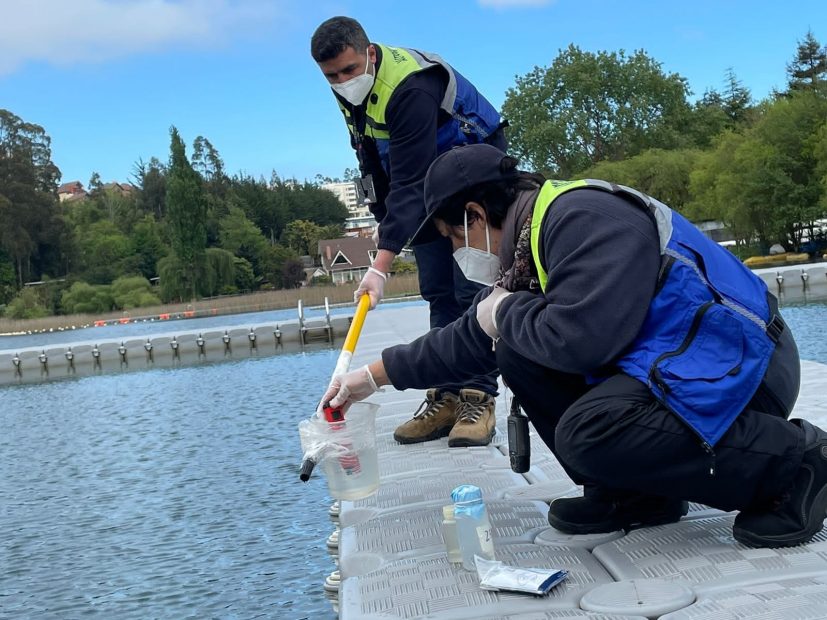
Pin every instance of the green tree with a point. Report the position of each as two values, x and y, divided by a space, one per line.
588 107
206 160
819 145
292 273
220 272
736 99
95 185
31 223
243 238
706 120
664 175
147 248
765 182
186 218
311 203
808 70
102 248
245 278
120 208
265 204
272 267
7 280
150 179
303 237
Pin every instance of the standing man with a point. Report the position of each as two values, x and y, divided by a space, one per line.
404 107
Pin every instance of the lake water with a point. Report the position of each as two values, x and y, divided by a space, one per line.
173 493
164 494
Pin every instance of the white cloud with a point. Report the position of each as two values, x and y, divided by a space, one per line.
514 4
65 32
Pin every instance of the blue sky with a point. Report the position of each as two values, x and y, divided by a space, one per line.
107 78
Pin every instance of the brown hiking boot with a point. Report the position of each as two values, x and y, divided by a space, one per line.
434 418
475 420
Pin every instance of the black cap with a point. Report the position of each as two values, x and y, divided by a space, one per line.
457 170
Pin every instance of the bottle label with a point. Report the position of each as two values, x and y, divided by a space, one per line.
486 540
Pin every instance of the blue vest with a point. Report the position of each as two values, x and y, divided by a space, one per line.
472 120
708 335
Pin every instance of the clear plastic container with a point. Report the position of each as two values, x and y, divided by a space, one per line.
473 527
450 535
346 451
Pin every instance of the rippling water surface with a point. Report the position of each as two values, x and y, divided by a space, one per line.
809 324
164 494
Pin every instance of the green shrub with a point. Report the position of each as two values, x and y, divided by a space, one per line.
321 281
133 292
83 298
27 305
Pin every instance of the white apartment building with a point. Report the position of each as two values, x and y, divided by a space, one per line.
346 193
361 220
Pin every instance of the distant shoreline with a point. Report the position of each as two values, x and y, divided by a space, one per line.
400 286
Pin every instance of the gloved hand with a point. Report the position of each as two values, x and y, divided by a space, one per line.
373 284
350 387
487 311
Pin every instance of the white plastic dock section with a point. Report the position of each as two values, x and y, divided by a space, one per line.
392 563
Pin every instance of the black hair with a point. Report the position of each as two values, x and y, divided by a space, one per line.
335 35
494 196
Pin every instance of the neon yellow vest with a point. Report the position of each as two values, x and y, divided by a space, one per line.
397 64
550 191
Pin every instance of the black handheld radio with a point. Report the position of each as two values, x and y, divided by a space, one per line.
519 445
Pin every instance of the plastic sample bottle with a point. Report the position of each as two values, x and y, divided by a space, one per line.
473 527
450 535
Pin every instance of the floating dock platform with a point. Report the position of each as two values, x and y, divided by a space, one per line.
389 560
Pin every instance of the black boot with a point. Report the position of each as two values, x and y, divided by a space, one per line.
798 515
601 510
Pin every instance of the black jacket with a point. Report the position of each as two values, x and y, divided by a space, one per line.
602 255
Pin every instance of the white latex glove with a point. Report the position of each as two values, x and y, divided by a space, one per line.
487 311
350 387
373 284
375 236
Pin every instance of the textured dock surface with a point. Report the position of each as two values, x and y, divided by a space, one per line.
392 563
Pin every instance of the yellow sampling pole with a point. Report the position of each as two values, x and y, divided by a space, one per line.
342 366
343 363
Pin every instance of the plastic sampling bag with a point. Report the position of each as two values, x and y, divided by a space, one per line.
495 575
346 451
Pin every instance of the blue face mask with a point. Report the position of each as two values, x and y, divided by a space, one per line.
480 266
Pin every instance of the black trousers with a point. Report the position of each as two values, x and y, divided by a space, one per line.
617 436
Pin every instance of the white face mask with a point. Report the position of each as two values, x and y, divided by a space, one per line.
357 88
480 266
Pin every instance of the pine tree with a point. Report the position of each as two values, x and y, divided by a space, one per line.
186 216
808 71
736 98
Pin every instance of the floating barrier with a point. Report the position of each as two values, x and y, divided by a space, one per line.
32 364
796 283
